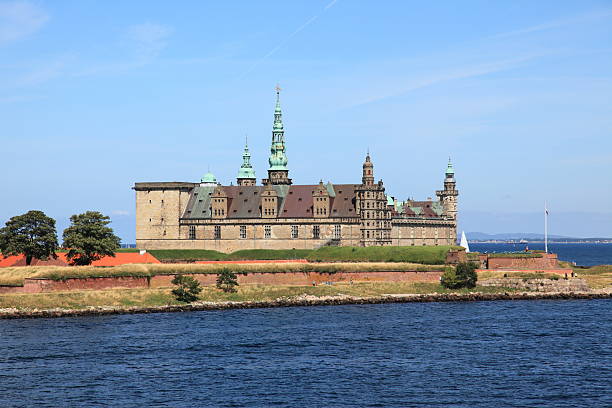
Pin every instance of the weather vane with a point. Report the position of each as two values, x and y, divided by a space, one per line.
278 88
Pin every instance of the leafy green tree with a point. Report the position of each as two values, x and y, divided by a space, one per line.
32 234
463 276
227 280
89 238
187 289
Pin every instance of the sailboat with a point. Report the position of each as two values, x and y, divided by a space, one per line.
464 242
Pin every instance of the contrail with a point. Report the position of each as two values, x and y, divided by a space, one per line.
282 43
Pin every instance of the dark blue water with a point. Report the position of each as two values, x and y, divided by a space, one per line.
472 354
582 254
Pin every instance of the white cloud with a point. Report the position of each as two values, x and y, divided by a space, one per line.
19 19
148 39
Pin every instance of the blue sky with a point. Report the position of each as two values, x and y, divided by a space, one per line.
97 95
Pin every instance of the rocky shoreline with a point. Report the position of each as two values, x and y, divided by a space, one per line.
305 300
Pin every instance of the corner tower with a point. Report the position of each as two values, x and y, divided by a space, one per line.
448 196
278 173
371 206
246 174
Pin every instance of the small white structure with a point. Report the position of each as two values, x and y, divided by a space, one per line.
464 242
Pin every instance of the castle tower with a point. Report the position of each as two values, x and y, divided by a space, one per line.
448 196
246 174
278 173
371 205
367 178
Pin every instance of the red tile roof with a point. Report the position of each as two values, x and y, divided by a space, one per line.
121 258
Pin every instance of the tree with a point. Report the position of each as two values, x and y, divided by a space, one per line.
463 276
227 280
31 234
88 238
188 288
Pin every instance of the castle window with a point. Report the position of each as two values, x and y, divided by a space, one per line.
243 233
149 201
267 232
294 231
217 232
192 232
316 232
337 231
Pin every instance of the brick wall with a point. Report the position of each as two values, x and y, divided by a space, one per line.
547 261
289 278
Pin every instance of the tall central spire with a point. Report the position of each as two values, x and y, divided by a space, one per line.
278 172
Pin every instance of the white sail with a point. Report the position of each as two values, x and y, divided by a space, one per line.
464 242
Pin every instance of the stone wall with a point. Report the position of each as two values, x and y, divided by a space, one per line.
539 285
406 232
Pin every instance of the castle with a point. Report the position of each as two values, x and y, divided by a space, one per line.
281 215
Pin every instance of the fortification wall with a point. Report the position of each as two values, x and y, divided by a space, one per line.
547 261
159 281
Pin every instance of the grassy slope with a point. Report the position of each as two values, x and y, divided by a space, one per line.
597 277
159 297
431 255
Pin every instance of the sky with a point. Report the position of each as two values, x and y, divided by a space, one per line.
98 95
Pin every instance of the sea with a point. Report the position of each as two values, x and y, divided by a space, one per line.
539 353
583 254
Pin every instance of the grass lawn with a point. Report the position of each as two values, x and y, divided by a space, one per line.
430 255
598 277
160 297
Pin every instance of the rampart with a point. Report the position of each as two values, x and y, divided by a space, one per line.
38 285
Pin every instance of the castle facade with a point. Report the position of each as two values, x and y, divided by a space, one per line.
280 215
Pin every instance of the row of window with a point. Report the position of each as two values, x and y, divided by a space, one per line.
376 234
316 232
372 194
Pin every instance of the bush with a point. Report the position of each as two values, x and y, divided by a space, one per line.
227 280
187 290
463 276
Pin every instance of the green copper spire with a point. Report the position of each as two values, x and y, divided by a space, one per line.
246 170
278 159
449 168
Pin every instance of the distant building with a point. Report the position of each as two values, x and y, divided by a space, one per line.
279 214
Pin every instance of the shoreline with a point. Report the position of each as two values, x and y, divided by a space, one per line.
300 301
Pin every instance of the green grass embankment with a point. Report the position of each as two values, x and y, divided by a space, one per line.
161 297
429 255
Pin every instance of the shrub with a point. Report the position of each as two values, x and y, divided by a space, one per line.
187 289
227 280
463 276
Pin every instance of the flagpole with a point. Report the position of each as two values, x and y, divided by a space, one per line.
545 228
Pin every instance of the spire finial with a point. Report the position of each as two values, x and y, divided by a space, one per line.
449 169
278 89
